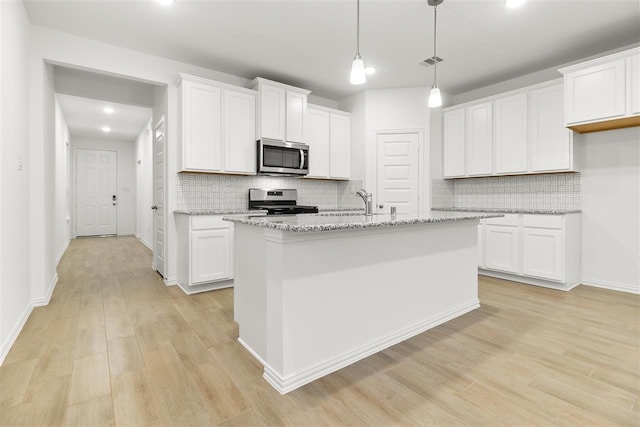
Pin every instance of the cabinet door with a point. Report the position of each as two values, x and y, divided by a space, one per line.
211 255
454 144
272 112
201 127
296 107
550 140
481 245
634 76
239 132
596 93
340 146
511 134
479 135
317 136
542 253
502 248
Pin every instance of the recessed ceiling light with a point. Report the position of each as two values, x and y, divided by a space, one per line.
108 110
106 129
370 70
512 4
165 2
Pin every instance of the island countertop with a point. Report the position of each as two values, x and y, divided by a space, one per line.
352 221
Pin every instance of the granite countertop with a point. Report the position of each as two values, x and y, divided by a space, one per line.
213 212
327 222
511 211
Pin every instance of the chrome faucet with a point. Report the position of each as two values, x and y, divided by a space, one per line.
367 198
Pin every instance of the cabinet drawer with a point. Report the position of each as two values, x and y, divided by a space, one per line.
203 222
508 219
543 221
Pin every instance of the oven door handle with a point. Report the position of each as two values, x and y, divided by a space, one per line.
301 159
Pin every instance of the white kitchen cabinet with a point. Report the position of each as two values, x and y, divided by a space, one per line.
633 66
541 250
480 248
217 127
454 143
205 258
328 133
511 134
479 139
281 110
201 126
502 244
339 146
599 93
317 132
550 141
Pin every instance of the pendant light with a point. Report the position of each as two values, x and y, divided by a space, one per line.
435 99
358 75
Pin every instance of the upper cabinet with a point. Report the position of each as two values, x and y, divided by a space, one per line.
328 133
519 132
217 127
602 94
281 110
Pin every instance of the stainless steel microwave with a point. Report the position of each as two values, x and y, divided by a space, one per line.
282 158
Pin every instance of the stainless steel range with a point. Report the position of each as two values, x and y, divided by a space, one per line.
282 201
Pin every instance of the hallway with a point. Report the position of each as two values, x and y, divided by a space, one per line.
116 346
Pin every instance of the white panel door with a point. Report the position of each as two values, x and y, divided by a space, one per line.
202 127
317 135
596 93
210 255
96 196
511 134
398 172
339 146
550 139
272 112
479 136
296 107
159 141
239 134
542 253
501 248
454 143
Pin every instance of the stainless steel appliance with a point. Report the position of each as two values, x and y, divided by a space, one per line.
278 202
282 158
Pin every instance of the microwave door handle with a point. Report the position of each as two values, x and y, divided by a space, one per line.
301 159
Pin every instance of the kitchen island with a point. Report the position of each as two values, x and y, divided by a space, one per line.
315 293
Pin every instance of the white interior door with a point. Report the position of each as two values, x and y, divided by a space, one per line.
398 172
159 138
96 197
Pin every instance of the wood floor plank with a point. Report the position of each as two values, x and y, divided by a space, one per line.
124 355
90 378
90 341
132 399
95 412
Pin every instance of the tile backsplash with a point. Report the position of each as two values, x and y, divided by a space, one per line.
229 192
543 191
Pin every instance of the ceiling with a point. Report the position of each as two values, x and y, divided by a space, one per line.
310 43
85 118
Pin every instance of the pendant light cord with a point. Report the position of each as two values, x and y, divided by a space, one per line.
358 30
435 43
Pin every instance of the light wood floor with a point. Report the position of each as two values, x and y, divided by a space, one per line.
116 346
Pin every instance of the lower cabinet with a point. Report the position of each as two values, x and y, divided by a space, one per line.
536 249
205 253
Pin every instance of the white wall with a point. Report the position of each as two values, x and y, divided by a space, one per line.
62 200
356 105
15 289
144 186
126 177
611 208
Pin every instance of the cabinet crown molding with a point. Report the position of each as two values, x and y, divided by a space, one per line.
261 80
601 60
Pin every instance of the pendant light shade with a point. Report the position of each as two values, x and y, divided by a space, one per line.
358 76
435 98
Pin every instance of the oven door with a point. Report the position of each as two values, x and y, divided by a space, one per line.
282 158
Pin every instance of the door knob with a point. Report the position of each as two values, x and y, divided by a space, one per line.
381 206
154 207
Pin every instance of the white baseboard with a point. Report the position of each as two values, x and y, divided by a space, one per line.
170 281
62 251
621 287
253 353
291 382
38 302
144 242
528 280
6 346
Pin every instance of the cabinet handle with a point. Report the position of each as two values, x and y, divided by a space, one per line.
301 159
